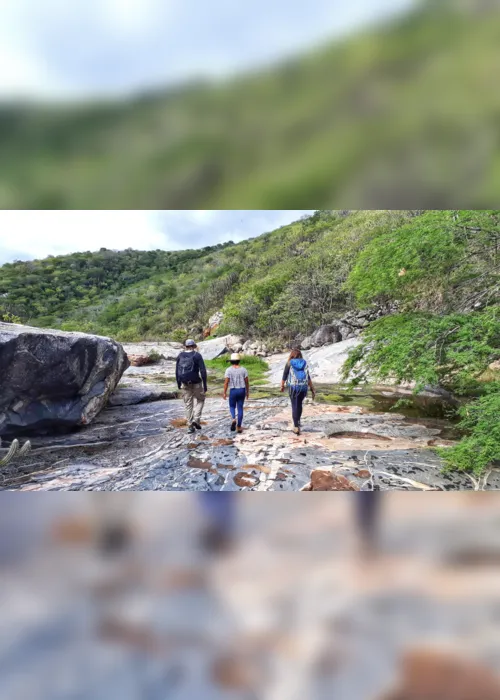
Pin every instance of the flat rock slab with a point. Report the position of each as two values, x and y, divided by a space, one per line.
169 351
145 446
140 392
325 363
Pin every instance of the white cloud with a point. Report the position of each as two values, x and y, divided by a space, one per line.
36 234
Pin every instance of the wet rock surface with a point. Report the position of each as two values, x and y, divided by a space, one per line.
146 447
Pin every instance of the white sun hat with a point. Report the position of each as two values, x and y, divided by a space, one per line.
235 357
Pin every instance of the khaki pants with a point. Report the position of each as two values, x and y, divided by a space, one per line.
190 394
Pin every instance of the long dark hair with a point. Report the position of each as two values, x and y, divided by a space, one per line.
295 355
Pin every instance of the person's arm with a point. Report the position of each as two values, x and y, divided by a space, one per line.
203 371
286 372
247 385
177 372
226 385
311 385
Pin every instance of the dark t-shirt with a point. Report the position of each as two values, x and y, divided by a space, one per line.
199 373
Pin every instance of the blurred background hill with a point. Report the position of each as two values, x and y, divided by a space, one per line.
399 114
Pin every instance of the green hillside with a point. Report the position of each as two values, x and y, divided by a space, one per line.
399 116
284 282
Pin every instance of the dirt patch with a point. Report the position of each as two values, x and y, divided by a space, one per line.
259 467
178 422
223 442
233 674
72 531
196 463
363 474
245 480
323 480
431 673
182 423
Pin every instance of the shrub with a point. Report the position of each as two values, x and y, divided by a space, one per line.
480 448
154 356
451 351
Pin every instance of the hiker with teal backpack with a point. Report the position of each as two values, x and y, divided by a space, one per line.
296 377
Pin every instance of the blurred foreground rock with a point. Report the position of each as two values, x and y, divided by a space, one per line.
429 675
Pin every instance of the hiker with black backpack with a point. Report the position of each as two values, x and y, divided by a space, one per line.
296 376
191 376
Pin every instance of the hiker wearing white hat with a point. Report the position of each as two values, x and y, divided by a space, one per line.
236 380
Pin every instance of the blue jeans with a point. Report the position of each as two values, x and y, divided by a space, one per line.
236 400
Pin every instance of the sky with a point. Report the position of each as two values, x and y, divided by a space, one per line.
63 49
28 235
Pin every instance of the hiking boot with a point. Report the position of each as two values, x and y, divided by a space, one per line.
233 426
197 425
239 429
296 430
191 429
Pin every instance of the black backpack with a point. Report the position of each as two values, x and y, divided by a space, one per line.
188 368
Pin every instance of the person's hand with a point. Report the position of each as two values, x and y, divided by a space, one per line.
282 388
224 396
248 396
313 393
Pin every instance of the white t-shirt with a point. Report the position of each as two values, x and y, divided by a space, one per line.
236 376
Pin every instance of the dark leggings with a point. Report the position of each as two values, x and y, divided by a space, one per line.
236 400
297 399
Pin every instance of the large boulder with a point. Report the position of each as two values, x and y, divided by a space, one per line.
211 349
307 343
50 379
326 335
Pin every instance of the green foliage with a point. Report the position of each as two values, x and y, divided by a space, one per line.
129 294
287 281
402 403
407 111
432 262
7 317
452 351
154 356
255 366
480 448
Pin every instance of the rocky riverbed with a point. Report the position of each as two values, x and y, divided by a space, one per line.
358 439
145 446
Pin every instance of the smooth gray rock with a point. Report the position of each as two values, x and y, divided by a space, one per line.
51 379
140 393
326 335
168 350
